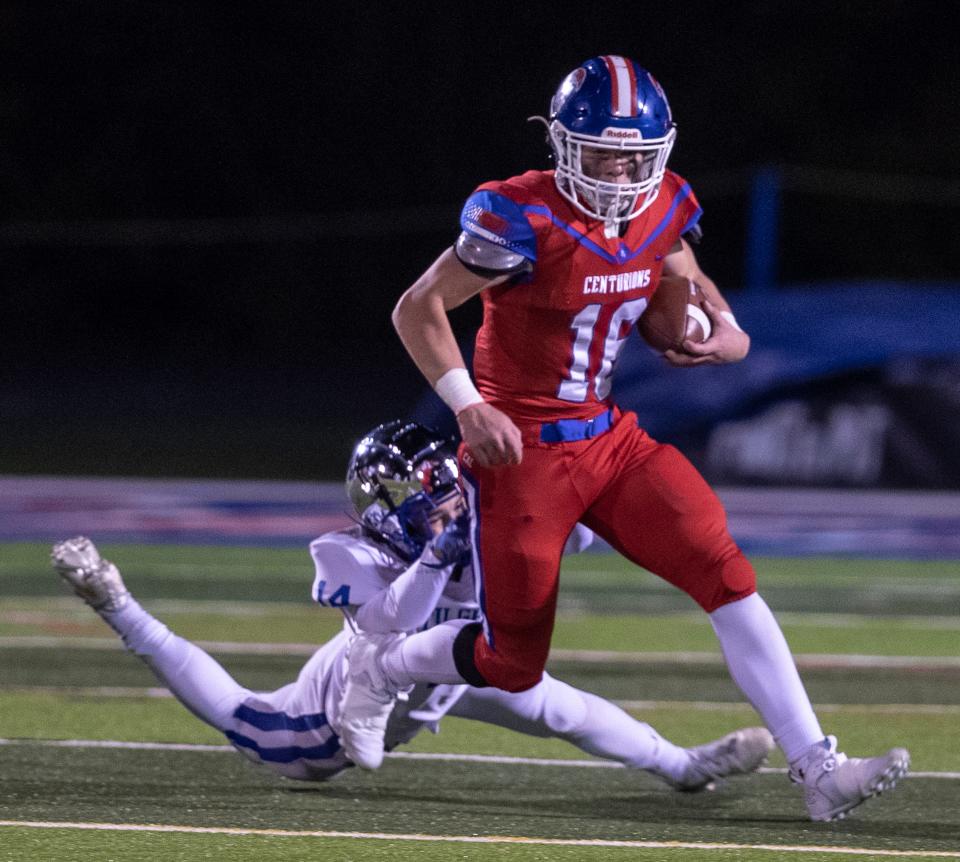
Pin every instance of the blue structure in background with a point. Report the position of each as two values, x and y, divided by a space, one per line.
798 334
780 522
763 226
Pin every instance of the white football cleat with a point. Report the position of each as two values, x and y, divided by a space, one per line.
737 753
833 783
368 699
93 579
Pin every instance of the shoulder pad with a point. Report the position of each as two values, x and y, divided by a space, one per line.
483 256
499 221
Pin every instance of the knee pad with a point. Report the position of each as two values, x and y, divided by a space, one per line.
564 708
736 581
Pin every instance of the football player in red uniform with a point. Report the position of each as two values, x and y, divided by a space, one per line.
565 262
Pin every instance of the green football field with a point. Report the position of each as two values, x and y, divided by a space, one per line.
99 763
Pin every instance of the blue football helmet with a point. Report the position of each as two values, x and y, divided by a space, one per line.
398 474
610 103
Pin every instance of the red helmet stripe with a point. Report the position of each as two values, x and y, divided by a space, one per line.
623 86
633 87
612 70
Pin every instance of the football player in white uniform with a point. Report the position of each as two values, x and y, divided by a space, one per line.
404 567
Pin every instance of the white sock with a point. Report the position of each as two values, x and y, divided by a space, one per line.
424 657
194 677
762 666
607 731
594 725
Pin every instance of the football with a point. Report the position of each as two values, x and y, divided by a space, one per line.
675 314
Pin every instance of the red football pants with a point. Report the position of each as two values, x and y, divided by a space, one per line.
644 498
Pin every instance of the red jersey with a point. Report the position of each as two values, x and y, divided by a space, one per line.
550 340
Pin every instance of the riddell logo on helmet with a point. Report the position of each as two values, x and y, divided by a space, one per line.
622 134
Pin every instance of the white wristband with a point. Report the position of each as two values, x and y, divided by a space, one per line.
728 316
457 390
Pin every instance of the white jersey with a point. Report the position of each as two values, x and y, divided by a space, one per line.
294 730
352 569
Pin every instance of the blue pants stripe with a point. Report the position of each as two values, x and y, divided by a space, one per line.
286 753
279 720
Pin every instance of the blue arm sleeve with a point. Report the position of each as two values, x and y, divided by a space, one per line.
691 231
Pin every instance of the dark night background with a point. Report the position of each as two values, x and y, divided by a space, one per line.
209 209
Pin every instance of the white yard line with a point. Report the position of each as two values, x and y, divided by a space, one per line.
396 755
848 620
634 705
115 743
737 706
230 647
897 583
68 606
804 660
482 839
55 610
91 691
